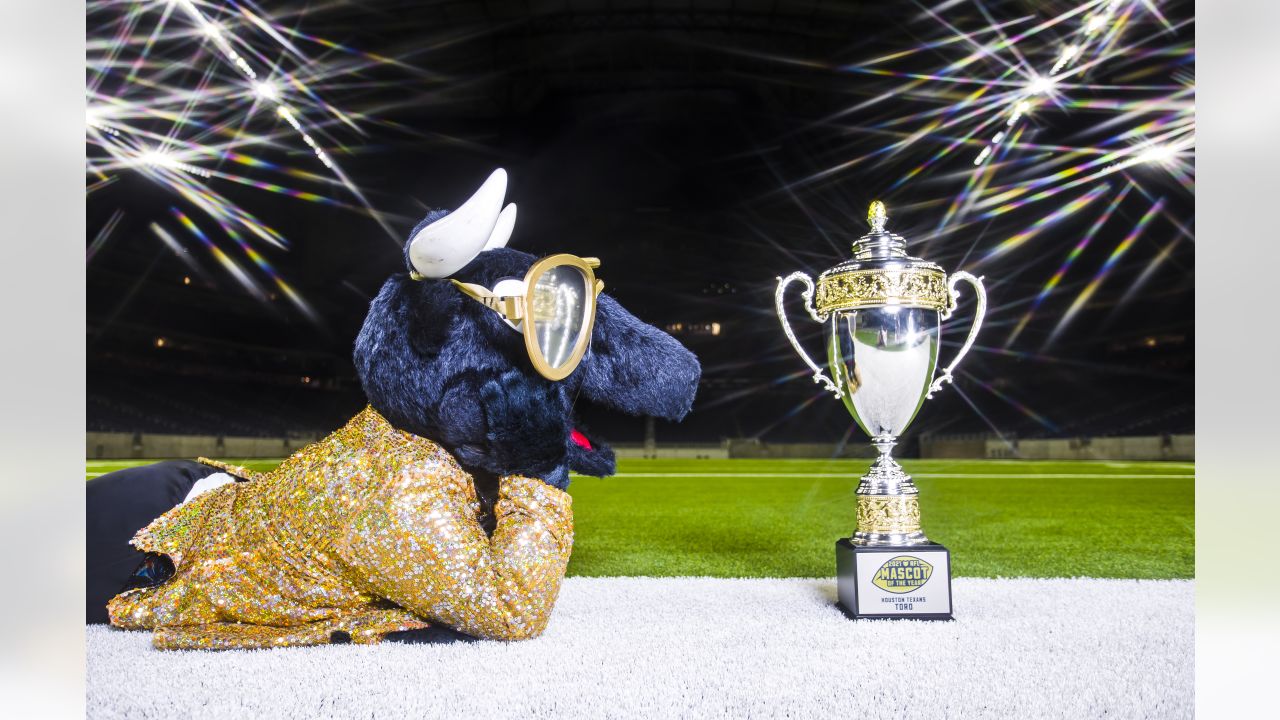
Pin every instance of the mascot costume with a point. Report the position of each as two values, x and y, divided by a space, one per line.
442 504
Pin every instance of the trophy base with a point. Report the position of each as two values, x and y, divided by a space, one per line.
879 582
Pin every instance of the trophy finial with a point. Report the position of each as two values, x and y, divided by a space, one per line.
879 244
877 215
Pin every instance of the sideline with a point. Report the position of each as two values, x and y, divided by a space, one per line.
1049 476
941 476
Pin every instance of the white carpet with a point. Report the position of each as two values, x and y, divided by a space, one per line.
698 647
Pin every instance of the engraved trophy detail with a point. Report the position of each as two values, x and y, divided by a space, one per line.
883 310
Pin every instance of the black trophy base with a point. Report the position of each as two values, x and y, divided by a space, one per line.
893 583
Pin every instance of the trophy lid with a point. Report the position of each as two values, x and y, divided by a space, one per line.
881 273
880 248
879 244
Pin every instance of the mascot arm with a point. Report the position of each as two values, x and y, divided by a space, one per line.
427 552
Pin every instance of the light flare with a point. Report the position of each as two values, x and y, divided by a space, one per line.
1075 253
1103 272
172 90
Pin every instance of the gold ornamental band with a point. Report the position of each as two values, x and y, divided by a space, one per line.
888 514
855 289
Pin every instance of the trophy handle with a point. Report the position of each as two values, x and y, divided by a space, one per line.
976 282
818 376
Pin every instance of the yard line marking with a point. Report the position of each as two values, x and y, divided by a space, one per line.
1116 463
1055 476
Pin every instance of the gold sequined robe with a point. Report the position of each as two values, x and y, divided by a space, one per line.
368 531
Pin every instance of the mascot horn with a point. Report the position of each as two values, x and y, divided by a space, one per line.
442 505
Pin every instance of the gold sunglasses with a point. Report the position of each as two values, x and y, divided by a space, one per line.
554 306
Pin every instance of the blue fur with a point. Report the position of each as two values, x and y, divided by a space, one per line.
440 365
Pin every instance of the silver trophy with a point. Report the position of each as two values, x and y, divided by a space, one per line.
883 310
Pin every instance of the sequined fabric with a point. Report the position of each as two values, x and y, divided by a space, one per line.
369 531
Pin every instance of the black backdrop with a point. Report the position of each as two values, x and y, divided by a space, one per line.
700 149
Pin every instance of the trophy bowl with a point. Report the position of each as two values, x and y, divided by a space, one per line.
883 313
882 359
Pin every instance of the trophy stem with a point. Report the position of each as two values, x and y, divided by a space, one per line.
888 507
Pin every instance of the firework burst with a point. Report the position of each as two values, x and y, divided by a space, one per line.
1017 131
201 97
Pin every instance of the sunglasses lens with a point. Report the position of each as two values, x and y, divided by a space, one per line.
559 313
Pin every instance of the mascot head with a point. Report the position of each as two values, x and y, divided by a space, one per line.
486 350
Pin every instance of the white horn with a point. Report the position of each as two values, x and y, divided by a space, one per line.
502 230
448 244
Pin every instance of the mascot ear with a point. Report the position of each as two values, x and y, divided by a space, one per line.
448 244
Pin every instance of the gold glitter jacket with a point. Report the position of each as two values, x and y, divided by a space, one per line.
368 531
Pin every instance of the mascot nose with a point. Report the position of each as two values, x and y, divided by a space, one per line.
636 368
481 223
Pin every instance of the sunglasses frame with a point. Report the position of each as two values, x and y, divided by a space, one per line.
514 308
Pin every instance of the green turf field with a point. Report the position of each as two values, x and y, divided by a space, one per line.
781 518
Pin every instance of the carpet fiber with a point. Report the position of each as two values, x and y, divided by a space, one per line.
702 647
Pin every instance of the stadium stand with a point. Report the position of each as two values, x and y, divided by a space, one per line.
203 386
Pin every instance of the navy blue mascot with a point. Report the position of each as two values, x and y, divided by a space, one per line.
439 508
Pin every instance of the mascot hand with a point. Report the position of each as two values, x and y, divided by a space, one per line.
526 427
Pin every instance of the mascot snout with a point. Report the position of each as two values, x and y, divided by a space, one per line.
636 368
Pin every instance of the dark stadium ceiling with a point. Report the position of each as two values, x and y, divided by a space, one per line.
699 148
